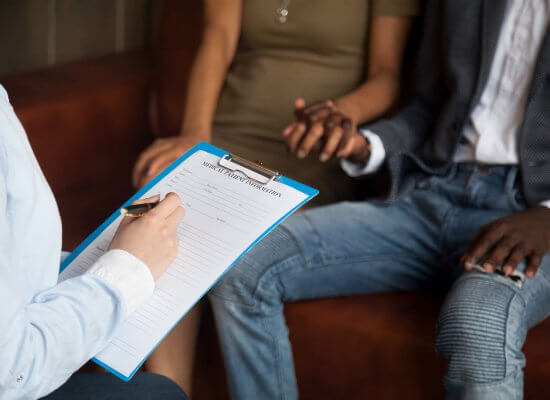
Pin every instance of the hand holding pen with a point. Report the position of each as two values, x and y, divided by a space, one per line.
152 237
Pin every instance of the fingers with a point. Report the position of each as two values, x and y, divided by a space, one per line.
299 105
482 244
295 136
152 199
166 207
175 218
533 266
311 137
517 255
332 144
348 144
347 129
315 107
300 108
501 251
335 132
142 163
161 161
289 129
317 112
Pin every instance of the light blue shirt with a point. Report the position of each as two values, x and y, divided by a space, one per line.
48 330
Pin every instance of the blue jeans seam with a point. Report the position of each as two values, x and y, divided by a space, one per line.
324 264
499 279
282 267
277 357
316 232
507 335
446 223
481 385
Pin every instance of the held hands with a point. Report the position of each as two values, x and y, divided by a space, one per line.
159 155
512 239
152 238
323 128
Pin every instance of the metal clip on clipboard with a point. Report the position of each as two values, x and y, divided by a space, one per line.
250 169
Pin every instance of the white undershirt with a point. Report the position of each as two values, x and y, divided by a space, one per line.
491 134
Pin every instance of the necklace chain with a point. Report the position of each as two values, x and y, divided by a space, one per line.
282 11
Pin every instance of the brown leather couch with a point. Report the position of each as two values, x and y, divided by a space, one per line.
87 123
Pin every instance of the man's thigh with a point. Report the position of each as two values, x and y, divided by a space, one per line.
103 386
342 249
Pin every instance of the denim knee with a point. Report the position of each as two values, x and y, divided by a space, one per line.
481 329
253 280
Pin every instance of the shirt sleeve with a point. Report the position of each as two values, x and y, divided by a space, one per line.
545 203
47 337
128 274
398 8
376 158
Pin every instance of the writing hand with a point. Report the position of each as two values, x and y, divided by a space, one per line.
152 238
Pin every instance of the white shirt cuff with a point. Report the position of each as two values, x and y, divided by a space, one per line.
376 158
128 274
545 203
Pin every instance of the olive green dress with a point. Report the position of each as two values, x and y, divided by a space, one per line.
318 53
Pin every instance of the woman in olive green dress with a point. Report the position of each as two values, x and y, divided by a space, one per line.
259 64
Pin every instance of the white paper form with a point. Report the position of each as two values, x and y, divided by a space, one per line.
226 213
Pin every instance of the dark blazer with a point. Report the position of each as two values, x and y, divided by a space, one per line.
455 57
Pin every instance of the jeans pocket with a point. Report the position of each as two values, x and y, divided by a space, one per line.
516 199
425 181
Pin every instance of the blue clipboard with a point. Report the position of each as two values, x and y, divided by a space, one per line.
307 190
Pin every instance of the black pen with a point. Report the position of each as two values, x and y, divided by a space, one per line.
137 210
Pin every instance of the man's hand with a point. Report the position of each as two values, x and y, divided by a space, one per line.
159 155
324 128
512 239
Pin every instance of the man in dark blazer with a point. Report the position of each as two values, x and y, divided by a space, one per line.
469 159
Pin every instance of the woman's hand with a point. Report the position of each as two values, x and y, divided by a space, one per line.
322 127
159 155
152 238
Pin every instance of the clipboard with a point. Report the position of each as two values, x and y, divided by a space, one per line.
254 174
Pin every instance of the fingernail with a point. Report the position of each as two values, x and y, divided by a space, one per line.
488 267
301 154
323 157
507 269
286 131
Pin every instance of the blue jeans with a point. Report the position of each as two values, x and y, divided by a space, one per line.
413 244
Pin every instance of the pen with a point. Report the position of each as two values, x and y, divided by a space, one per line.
137 210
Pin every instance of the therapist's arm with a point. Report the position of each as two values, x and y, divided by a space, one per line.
46 338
